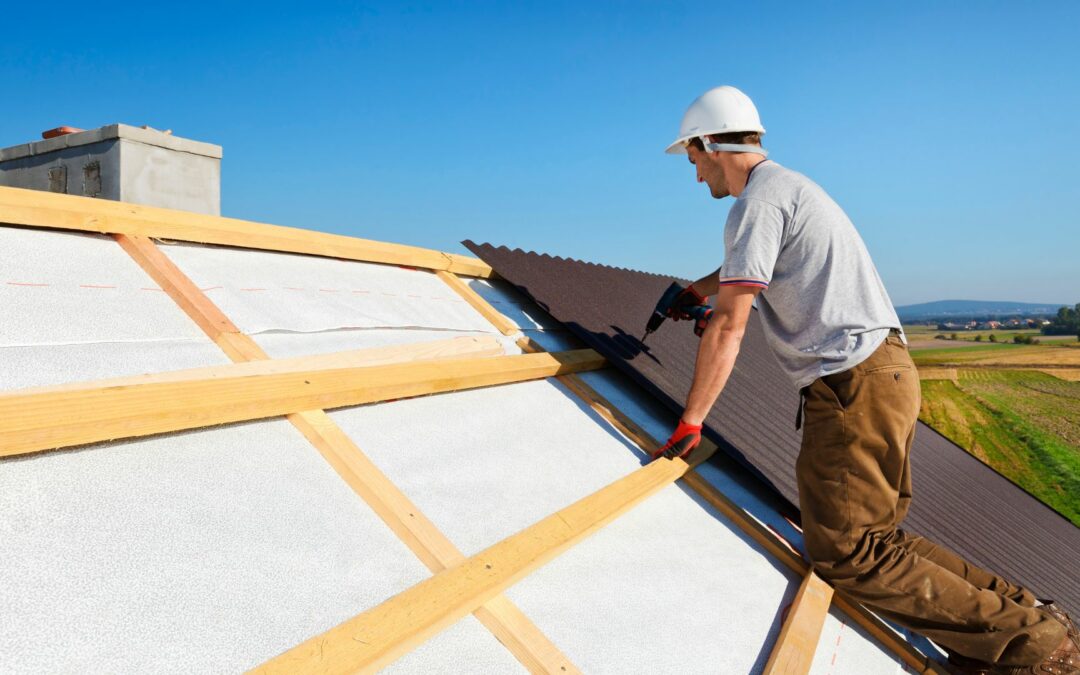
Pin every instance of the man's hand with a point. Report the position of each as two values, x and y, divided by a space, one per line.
686 438
684 302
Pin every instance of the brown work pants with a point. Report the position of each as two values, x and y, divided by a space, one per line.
854 490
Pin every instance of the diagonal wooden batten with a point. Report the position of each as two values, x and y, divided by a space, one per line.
509 625
500 616
380 635
793 653
35 208
45 421
505 326
190 298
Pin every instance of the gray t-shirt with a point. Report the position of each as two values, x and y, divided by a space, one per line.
823 306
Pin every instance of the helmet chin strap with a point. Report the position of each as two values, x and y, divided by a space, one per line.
734 147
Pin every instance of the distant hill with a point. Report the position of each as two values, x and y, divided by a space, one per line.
973 309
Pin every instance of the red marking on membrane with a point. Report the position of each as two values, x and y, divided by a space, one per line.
23 283
329 290
210 288
145 288
294 288
252 289
836 648
94 286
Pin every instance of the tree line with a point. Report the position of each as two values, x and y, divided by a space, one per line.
1067 322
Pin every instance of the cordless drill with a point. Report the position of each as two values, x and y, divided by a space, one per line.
700 314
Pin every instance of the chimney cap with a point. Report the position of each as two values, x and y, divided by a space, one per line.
110 132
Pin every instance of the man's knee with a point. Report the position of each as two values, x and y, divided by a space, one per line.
844 560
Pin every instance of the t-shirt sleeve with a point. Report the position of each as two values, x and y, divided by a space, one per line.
752 240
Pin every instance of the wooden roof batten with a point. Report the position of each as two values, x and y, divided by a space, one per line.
35 208
48 420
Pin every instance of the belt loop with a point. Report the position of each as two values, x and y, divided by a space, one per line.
799 412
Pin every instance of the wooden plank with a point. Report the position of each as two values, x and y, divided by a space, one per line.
505 621
474 346
505 326
793 653
381 634
43 421
35 208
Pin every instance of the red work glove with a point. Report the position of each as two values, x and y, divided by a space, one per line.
684 301
686 438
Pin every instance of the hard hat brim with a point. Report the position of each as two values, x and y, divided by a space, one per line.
678 147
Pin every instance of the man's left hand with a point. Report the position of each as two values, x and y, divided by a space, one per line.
685 439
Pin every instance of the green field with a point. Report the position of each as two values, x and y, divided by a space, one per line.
1011 405
1025 424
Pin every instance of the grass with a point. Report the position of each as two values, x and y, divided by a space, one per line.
1025 424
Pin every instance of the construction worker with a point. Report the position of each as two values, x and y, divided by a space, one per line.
830 323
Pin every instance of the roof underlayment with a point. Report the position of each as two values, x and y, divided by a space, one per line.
217 549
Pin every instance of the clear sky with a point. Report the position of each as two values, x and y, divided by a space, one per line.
949 131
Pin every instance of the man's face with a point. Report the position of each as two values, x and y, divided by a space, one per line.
709 170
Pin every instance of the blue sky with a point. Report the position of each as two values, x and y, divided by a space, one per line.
948 131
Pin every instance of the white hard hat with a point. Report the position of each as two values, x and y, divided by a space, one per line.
722 110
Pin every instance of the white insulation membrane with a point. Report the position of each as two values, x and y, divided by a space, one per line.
77 307
266 291
202 552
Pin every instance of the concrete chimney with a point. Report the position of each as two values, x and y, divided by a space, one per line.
129 164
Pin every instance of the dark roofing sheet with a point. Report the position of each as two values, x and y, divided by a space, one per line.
959 501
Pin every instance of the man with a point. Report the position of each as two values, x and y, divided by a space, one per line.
830 323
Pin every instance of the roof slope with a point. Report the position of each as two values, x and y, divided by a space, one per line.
959 501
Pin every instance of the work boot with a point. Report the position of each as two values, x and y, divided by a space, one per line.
1065 660
1062 616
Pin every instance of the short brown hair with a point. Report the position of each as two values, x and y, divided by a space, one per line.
737 137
